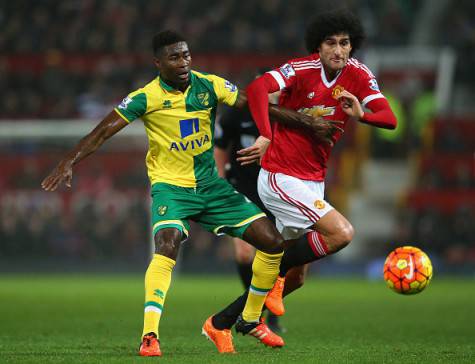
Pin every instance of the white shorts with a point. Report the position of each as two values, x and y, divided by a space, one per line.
296 204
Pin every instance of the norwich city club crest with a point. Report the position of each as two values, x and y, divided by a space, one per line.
204 98
162 210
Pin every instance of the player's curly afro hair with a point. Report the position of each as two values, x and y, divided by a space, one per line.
165 38
331 23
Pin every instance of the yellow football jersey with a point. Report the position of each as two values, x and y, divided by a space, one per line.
179 126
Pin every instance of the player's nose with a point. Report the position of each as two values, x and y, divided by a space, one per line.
338 50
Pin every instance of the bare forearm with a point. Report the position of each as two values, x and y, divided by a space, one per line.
86 146
279 114
63 172
110 125
288 117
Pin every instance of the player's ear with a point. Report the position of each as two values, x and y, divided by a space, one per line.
157 62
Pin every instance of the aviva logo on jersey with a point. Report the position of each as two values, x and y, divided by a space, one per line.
189 127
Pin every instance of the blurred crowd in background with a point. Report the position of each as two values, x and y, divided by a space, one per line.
77 59
44 43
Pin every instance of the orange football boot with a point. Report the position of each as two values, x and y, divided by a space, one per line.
150 346
274 301
260 331
223 339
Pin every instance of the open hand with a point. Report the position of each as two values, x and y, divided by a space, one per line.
254 153
323 129
62 173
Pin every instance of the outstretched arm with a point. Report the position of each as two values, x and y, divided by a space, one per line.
63 172
381 114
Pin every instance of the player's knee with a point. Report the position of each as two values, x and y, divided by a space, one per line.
167 242
345 235
275 244
244 252
263 235
244 257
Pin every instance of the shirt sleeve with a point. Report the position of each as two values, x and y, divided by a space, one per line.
133 106
381 116
285 76
258 101
226 91
368 86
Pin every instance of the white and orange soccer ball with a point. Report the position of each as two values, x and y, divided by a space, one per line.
407 270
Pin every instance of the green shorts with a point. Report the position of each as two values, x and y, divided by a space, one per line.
216 206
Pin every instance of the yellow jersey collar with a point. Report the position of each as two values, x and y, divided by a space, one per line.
169 88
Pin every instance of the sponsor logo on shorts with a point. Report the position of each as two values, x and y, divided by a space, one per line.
373 85
337 90
125 102
162 210
319 204
287 71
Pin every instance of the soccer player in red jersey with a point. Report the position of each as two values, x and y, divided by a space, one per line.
329 83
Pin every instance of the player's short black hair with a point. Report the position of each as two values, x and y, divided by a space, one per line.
165 38
331 23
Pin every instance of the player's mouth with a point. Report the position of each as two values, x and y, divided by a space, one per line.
338 62
184 76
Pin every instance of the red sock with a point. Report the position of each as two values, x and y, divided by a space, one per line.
315 240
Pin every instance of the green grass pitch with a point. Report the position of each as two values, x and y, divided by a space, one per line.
98 319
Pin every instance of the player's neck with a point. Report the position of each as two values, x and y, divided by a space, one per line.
177 86
331 74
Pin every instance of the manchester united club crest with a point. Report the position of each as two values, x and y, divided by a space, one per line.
319 204
337 91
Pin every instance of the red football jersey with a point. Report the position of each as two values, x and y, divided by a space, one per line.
304 86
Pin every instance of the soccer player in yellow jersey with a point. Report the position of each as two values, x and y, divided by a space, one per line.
178 110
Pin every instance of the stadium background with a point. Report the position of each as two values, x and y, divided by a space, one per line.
72 262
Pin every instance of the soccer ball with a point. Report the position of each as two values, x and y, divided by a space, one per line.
407 270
